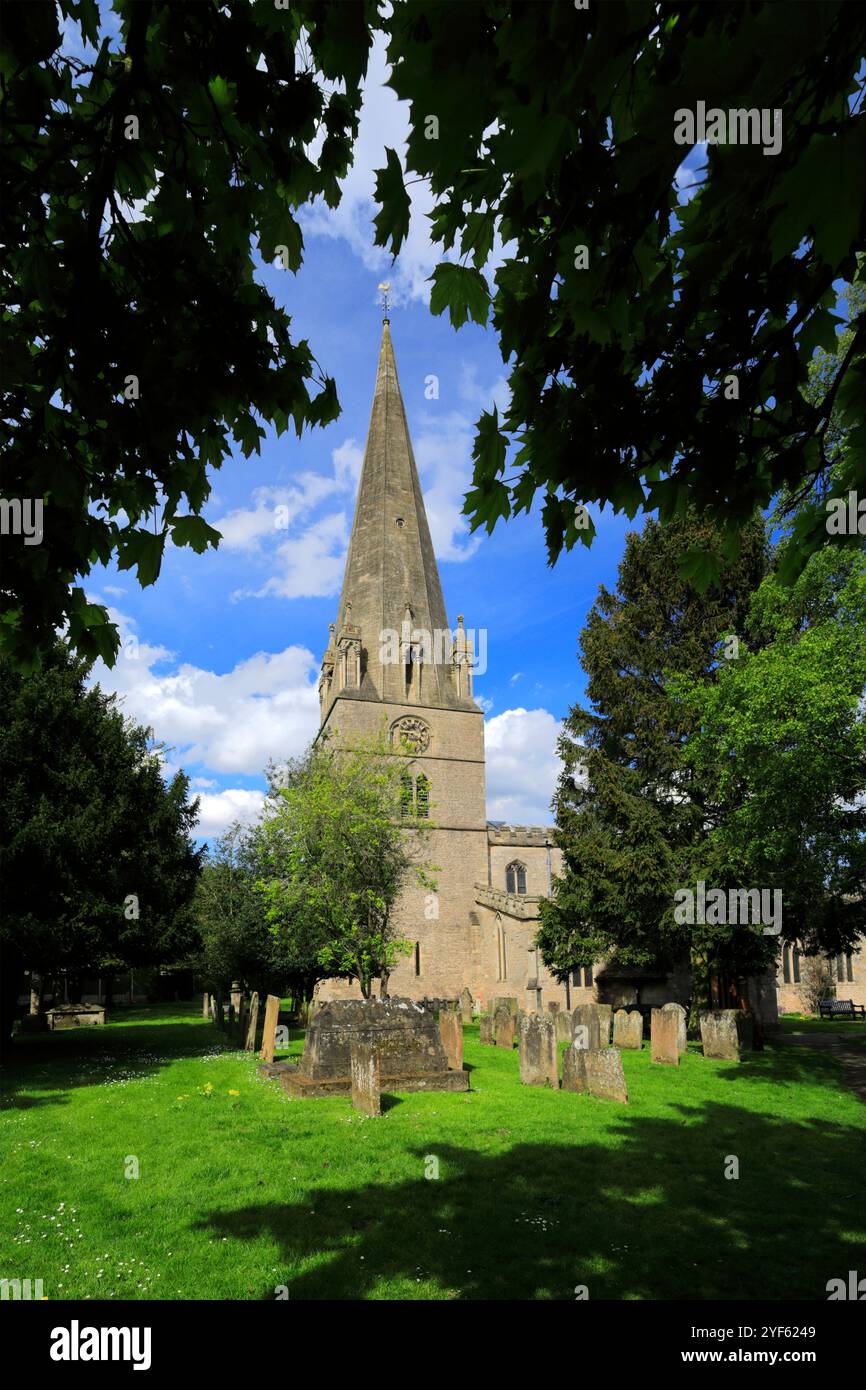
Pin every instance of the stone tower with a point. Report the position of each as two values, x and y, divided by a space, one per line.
392 661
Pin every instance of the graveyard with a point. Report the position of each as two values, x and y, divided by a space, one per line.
150 1159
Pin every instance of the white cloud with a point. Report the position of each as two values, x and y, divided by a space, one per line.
522 766
217 810
266 707
311 565
443 452
480 397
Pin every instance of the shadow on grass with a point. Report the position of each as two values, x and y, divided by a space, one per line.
652 1218
786 1064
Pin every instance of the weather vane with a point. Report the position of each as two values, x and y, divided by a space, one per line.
385 291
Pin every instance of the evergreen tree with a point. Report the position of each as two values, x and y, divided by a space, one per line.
629 810
97 865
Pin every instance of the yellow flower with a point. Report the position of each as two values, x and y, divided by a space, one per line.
234 1093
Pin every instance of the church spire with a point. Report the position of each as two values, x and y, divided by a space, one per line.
380 653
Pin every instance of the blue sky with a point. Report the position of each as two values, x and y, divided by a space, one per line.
221 656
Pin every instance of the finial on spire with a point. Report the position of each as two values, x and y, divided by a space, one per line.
385 300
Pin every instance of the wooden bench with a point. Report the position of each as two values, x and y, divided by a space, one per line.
841 1008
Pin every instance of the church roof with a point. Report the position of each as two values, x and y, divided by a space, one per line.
391 572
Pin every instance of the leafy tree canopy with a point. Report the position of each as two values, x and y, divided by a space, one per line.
339 851
139 348
624 312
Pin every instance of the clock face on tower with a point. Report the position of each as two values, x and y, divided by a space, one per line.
412 731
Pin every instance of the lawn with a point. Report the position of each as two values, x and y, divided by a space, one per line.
241 1191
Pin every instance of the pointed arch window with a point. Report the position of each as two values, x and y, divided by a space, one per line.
414 796
515 878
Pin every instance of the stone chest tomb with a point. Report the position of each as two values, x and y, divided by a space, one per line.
404 1037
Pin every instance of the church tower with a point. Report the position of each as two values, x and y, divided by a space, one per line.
393 661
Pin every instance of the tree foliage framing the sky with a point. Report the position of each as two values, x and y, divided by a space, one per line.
556 132
139 347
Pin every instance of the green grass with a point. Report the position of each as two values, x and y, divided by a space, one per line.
537 1191
853 1030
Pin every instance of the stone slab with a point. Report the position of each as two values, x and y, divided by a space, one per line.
365 1078
536 1042
451 1033
725 1033
485 1030
628 1029
596 1073
664 1030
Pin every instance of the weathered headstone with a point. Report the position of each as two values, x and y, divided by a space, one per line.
552 1006
451 1033
605 1022
628 1029
252 1023
405 1037
205 1006
366 1078
682 1022
504 1027
586 1027
536 1041
725 1033
664 1027
466 1006
505 1001
596 1073
564 1026
235 996
269 1035
485 1030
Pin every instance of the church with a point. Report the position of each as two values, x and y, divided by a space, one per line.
489 876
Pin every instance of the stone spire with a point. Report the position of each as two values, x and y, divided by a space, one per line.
391 607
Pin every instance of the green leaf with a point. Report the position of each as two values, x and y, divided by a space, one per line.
462 291
194 531
392 223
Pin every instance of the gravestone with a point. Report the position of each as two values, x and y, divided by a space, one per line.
682 1021
235 996
725 1033
205 1006
504 1027
564 1026
269 1034
504 1001
74 1016
451 1033
242 1019
365 1069
536 1041
605 1022
628 1029
586 1027
552 1006
664 1029
466 1006
404 1036
595 1073
485 1030
252 1023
